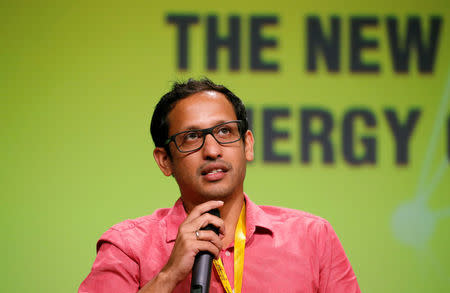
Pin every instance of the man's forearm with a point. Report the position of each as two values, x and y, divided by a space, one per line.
162 283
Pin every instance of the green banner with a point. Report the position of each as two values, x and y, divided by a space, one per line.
348 102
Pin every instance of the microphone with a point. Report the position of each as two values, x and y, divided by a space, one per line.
201 271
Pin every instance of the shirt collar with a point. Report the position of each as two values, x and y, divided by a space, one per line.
173 220
255 218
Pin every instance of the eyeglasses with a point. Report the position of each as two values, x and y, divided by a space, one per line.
192 140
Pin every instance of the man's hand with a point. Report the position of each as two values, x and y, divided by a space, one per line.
187 245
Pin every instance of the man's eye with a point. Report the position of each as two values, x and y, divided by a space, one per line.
224 131
191 136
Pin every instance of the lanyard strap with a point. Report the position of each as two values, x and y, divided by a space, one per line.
239 249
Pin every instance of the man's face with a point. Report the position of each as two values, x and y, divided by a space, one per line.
215 171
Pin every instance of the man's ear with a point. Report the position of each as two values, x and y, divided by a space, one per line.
163 160
249 145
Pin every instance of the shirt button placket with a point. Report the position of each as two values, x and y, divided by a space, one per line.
228 263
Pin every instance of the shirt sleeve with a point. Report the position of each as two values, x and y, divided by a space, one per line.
336 273
115 268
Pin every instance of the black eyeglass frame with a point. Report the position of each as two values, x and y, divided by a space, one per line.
205 132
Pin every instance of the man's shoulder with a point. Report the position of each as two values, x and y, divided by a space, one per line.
292 223
154 218
132 234
282 215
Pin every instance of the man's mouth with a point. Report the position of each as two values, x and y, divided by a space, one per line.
214 175
213 171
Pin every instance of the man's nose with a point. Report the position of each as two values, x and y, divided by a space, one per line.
211 148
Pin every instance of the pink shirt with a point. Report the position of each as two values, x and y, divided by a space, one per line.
286 251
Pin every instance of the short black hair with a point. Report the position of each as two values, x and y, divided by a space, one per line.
159 126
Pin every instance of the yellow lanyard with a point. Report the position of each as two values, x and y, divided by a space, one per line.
239 248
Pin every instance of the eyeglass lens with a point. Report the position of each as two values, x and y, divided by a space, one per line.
223 133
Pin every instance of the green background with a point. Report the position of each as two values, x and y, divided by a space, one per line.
78 84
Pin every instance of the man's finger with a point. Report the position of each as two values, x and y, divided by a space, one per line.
205 219
211 236
208 246
203 208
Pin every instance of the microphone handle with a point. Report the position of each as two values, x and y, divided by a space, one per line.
201 271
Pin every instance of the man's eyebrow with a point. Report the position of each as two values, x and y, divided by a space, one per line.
193 127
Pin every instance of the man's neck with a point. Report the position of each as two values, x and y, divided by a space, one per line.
230 212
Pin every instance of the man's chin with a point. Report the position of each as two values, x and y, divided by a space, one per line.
217 194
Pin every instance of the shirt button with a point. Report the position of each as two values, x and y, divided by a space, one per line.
227 253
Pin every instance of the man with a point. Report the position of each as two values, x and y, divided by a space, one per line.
201 135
